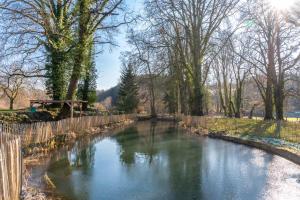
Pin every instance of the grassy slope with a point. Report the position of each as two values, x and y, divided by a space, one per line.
290 131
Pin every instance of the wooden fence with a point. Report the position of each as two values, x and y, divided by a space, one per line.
15 136
10 167
41 132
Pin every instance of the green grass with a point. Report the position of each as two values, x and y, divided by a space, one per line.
289 131
12 111
290 119
7 111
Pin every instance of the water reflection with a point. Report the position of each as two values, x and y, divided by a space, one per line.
160 161
134 145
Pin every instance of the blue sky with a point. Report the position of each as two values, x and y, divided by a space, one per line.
108 63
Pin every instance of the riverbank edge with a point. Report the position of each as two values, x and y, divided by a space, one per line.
31 192
280 151
283 151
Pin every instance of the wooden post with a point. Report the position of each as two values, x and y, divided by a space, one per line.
80 106
72 111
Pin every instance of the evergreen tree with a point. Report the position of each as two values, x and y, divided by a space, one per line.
128 92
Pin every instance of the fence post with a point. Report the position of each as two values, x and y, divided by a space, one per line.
10 167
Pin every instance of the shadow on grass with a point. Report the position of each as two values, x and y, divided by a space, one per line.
289 131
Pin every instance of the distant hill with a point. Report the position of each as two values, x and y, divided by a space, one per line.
112 92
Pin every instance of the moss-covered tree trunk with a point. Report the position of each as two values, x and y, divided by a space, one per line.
80 53
197 102
56 71
59 36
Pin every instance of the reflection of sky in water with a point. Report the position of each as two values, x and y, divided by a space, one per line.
147 162
282 182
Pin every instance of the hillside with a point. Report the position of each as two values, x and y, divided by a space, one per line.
110 93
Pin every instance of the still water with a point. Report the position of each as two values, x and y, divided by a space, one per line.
160 161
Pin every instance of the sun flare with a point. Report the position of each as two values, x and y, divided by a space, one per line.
282 4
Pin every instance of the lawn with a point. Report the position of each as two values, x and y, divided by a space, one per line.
287 130
290 119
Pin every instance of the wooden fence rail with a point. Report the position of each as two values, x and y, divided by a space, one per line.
15 136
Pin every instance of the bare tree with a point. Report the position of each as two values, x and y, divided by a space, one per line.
142 57
185 28
275 53
231 71
11 82
41 30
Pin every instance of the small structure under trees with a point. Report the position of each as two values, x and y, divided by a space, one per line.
70 103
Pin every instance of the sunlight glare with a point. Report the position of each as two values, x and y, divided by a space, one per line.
282 4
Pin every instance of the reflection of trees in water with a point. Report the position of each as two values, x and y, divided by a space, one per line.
184 166
183 156
175 166
126 139
85 159
82 156
131 142
141 139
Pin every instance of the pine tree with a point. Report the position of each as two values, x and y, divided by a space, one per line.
128 92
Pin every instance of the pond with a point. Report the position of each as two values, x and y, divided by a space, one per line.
161 161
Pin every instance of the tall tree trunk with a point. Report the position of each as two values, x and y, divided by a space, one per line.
58 50
80 54
178 98
85 92
197 104
183 95
270 80
152 99
11 103
251 112
184 98
269 101
279 101
238 101
222 103
278 80
57 75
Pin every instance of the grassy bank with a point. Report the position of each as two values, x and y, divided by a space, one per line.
286 130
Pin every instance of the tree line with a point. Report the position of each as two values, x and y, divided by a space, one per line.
194 48
194 44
